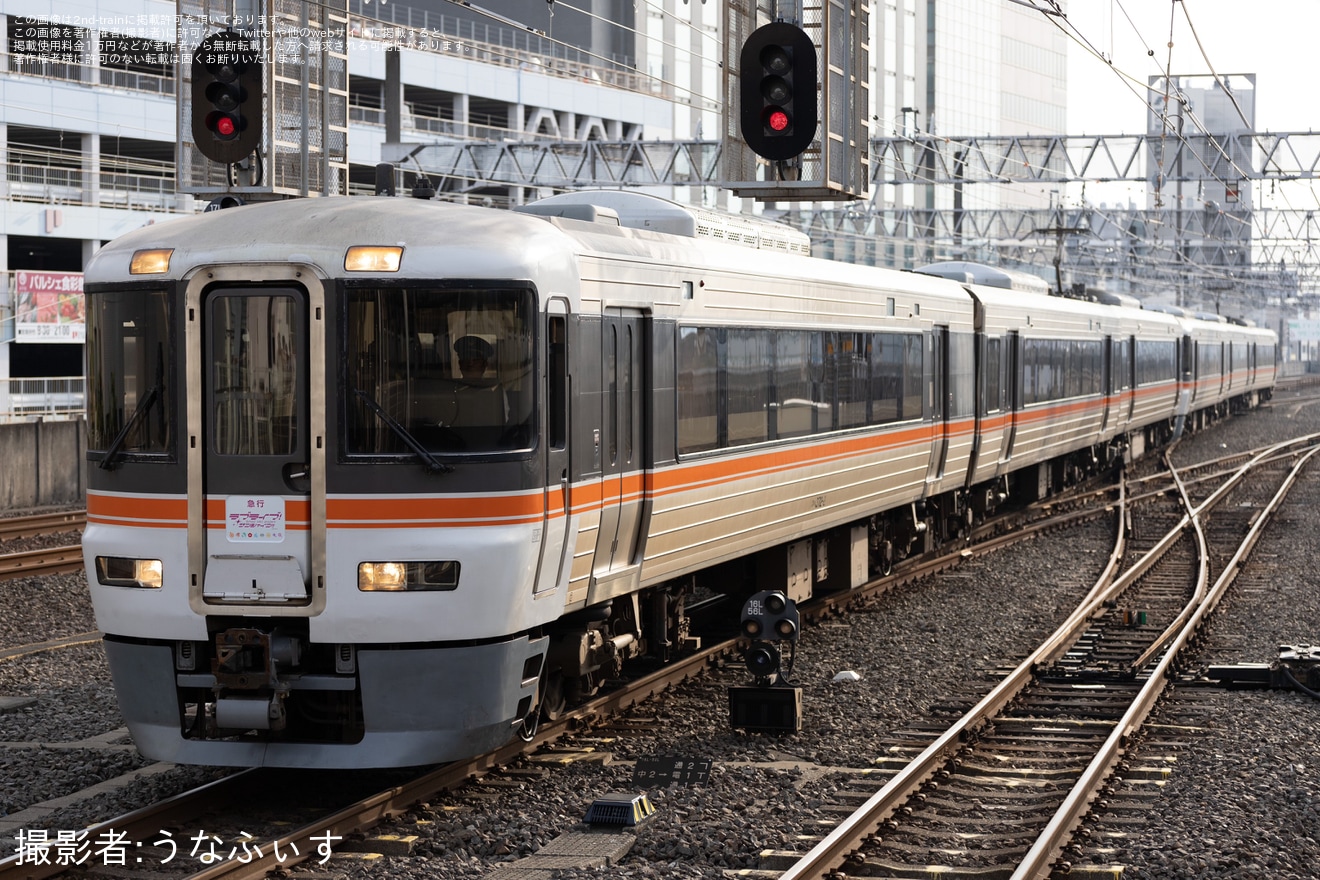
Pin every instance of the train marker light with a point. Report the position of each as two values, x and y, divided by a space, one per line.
227 84
373 258
777 88
152 261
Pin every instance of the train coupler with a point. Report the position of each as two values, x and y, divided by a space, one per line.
248 659
248 692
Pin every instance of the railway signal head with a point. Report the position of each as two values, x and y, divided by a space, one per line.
226 97
770 616
777 71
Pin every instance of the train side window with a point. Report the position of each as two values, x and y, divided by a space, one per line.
747 397
795 404
1030 370
1058 363
849 367
557 357
886 378
1074 369
697 368
914 377
897 377
962 374
994 379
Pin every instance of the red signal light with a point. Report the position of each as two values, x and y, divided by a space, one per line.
777 120
224 126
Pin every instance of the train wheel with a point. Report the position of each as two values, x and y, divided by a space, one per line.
887 558
553 702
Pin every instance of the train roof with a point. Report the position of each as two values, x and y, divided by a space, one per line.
445 240
987 276
440 239
1045 312
637 210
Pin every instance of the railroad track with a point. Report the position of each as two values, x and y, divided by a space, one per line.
46 560
15 527
51 560
999 792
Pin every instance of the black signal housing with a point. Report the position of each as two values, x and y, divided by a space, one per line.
227 97
777 88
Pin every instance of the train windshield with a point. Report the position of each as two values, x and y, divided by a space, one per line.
432 371
130 393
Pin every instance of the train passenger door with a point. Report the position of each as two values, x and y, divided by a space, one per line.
623 393
939 386
250 419
1107 384
554 567
1013 355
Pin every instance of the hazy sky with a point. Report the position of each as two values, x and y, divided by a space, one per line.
1278 40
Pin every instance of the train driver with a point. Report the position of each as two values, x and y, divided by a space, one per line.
479 400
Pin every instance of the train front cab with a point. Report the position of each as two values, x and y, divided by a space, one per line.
280 591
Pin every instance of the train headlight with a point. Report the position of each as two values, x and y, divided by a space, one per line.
373 258
119 571
398 577
154 261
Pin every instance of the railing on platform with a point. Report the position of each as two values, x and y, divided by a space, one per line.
29 398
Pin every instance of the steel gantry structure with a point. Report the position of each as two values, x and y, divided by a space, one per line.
1229 243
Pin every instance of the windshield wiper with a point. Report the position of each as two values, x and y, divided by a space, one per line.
432 463
116 445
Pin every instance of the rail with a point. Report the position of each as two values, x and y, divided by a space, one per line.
832 852
1051 841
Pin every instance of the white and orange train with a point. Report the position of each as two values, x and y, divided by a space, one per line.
378 480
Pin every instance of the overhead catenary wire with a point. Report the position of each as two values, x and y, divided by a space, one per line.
1141 91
